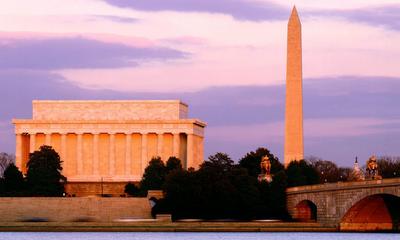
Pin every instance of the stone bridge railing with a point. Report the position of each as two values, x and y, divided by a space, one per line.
333 200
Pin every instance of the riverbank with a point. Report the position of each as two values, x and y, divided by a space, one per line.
163 227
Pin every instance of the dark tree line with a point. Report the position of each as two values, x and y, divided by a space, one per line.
43 177
154 176
5 160
221 189
329 172
389 167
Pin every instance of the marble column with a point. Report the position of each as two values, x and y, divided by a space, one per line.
47 139
18 150
176 144
79 149
32 142
112 155
63 147
144 151
190 146
160 144
96 154
128 154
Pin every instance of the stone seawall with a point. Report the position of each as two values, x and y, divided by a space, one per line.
73 209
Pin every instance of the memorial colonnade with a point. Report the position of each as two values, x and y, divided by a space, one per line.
117 155
103 141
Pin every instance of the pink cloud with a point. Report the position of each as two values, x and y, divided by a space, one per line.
103 37
189 40
316 127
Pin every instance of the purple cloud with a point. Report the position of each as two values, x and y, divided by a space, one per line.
64 53
223 108
386 16
113 18
239 9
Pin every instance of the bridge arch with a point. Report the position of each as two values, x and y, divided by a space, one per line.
379 211
334 200
305 211
356 197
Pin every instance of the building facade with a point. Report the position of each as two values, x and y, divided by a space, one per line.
105 144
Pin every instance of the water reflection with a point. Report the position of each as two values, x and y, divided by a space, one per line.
198 236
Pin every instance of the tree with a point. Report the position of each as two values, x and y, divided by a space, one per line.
132 190
5 160
327 170
345 174
272 195
154 175
173 163
389 167
13 179
221 161
44 176
301 173
273 198
182 191
252 161
221 189
2 187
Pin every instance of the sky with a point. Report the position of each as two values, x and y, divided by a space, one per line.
224 58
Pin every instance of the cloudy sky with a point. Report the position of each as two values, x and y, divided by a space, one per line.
225 58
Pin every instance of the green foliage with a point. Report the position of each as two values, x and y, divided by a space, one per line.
44 176
345 174
327 170
277 198
221 189
227 191
273 197
132 190
389 167
5 160
13 180
301 173
182 195
2 187
173 163
155 173
252 162
220 161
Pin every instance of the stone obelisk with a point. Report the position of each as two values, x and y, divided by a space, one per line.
294 92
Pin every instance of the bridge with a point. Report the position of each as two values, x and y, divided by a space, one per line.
349 206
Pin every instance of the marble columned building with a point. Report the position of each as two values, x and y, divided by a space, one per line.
109 142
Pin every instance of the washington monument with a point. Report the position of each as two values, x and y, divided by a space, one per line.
294 92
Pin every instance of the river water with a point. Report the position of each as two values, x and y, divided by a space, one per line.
197 236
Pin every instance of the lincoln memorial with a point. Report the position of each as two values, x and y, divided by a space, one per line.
105 144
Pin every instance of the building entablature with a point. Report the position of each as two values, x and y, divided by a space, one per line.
187 126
